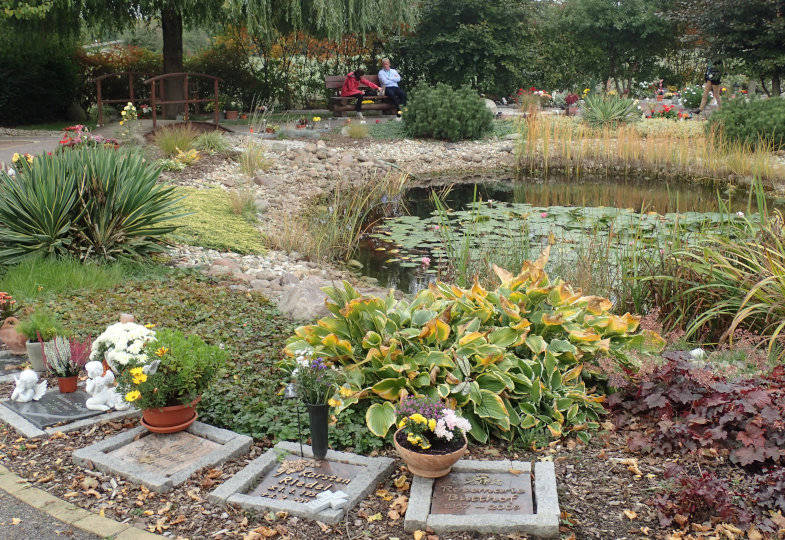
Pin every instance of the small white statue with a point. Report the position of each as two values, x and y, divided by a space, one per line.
329 499
103 396
27 387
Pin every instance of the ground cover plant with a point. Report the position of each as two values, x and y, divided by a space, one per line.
85 202
510 360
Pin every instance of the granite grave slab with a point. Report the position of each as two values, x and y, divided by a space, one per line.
162 461
55 412
487 497
283 480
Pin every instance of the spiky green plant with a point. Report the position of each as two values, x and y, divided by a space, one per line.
609 111
91 202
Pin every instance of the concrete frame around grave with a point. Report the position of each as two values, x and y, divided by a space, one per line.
97 456
31 431
235 489
544 522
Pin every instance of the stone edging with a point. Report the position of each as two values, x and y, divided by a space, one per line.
68 512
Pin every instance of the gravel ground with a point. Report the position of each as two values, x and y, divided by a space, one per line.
33 524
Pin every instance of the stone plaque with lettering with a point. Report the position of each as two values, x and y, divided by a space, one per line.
53 408
302 479
482 493
165 454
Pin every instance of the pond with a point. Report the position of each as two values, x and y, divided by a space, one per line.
506 221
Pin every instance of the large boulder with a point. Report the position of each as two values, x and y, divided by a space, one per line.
491 106
304 301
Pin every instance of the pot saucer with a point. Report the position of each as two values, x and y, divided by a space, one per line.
170 429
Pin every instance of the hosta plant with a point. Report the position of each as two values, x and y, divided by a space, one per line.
508 359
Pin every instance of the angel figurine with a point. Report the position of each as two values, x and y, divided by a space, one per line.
100 386
27 387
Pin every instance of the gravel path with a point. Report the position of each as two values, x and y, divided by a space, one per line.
33 524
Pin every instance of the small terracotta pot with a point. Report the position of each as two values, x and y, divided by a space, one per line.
170 419
14 340
232 115
67 384
429 465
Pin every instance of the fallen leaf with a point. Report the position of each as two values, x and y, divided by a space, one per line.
165 508
181 518
384 494
48 478
71 494
214 473
645 530
93 492
516 472
15 521
193 493
400 483
777 518
754 534
680 519
432 537
393 515
400 504
88 482
630 514
322 526
376 517
419 535
266 532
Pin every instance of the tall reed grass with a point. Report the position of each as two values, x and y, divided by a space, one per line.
550 144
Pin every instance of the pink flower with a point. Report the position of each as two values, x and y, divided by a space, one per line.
426 261
543 214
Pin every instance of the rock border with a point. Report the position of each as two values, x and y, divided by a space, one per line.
67 512
234 490
29 430
543 523
96 456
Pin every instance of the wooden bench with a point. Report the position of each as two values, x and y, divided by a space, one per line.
339 104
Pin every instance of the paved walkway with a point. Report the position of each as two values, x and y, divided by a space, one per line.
25 144
33 524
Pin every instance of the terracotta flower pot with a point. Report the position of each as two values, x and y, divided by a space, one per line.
429 465
14 340
232 115
67 384
170 419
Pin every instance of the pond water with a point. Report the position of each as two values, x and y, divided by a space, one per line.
508 220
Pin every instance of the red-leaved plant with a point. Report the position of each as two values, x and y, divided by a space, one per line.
65 357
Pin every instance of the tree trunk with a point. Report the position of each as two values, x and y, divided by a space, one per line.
172 29
776 89
763 84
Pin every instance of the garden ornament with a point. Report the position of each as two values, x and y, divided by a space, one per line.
103 396
332 499
27 387
14 340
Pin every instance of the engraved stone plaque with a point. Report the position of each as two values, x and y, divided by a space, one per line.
53 408
464 493
302 479
165 454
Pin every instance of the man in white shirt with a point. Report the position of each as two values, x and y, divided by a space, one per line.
389 79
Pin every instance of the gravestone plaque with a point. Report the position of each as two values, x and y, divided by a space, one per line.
53 408
283 480
165 454
482 493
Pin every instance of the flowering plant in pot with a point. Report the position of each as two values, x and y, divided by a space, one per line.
315 383
40 327
232 110
167 379
431 437
121 344
65 358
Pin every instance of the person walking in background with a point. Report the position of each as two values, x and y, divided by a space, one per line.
712 82
351 88
389 78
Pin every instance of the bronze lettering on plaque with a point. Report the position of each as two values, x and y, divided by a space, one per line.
464 493
296 477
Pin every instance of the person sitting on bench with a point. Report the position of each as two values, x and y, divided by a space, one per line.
351 88
389 78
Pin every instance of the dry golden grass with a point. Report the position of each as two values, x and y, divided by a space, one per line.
671 147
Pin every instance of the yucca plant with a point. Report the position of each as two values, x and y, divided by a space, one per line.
609 111
92 202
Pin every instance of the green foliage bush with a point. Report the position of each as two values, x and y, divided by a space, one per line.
40 79
609 111
186 367
117 59
174 139
753 122
84 203
510 359
691 96
41 323
211 141
440 112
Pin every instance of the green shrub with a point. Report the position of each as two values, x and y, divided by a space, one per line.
753 122
440 112
174 139
510 359
691 96
211 141
87 202
43 324
186 367
357 130
610 111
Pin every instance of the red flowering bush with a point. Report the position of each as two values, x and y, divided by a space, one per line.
8 306
80 136
664 111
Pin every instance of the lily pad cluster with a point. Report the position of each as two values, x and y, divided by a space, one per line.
509 359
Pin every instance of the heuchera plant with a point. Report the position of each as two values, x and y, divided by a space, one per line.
683 406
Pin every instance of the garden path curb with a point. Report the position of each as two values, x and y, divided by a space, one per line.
67 512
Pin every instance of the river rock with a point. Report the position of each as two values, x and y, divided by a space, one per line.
303 301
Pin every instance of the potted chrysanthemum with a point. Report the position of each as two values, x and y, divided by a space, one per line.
168 380
431 437
121 344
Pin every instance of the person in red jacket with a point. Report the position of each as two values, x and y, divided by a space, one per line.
351 88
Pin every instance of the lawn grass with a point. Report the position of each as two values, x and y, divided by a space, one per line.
213 224
37 279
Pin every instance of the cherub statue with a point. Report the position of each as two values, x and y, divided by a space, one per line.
27 387
103 396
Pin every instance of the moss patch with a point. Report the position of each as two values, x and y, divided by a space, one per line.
212 224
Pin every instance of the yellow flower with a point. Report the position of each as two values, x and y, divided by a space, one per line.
29 158
149 325
418 418
412 438
424 444
345 391
123 112
585 90
334 402
317 118
138 374
162 351
121 122
431 424
133 395
402 423
15 157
